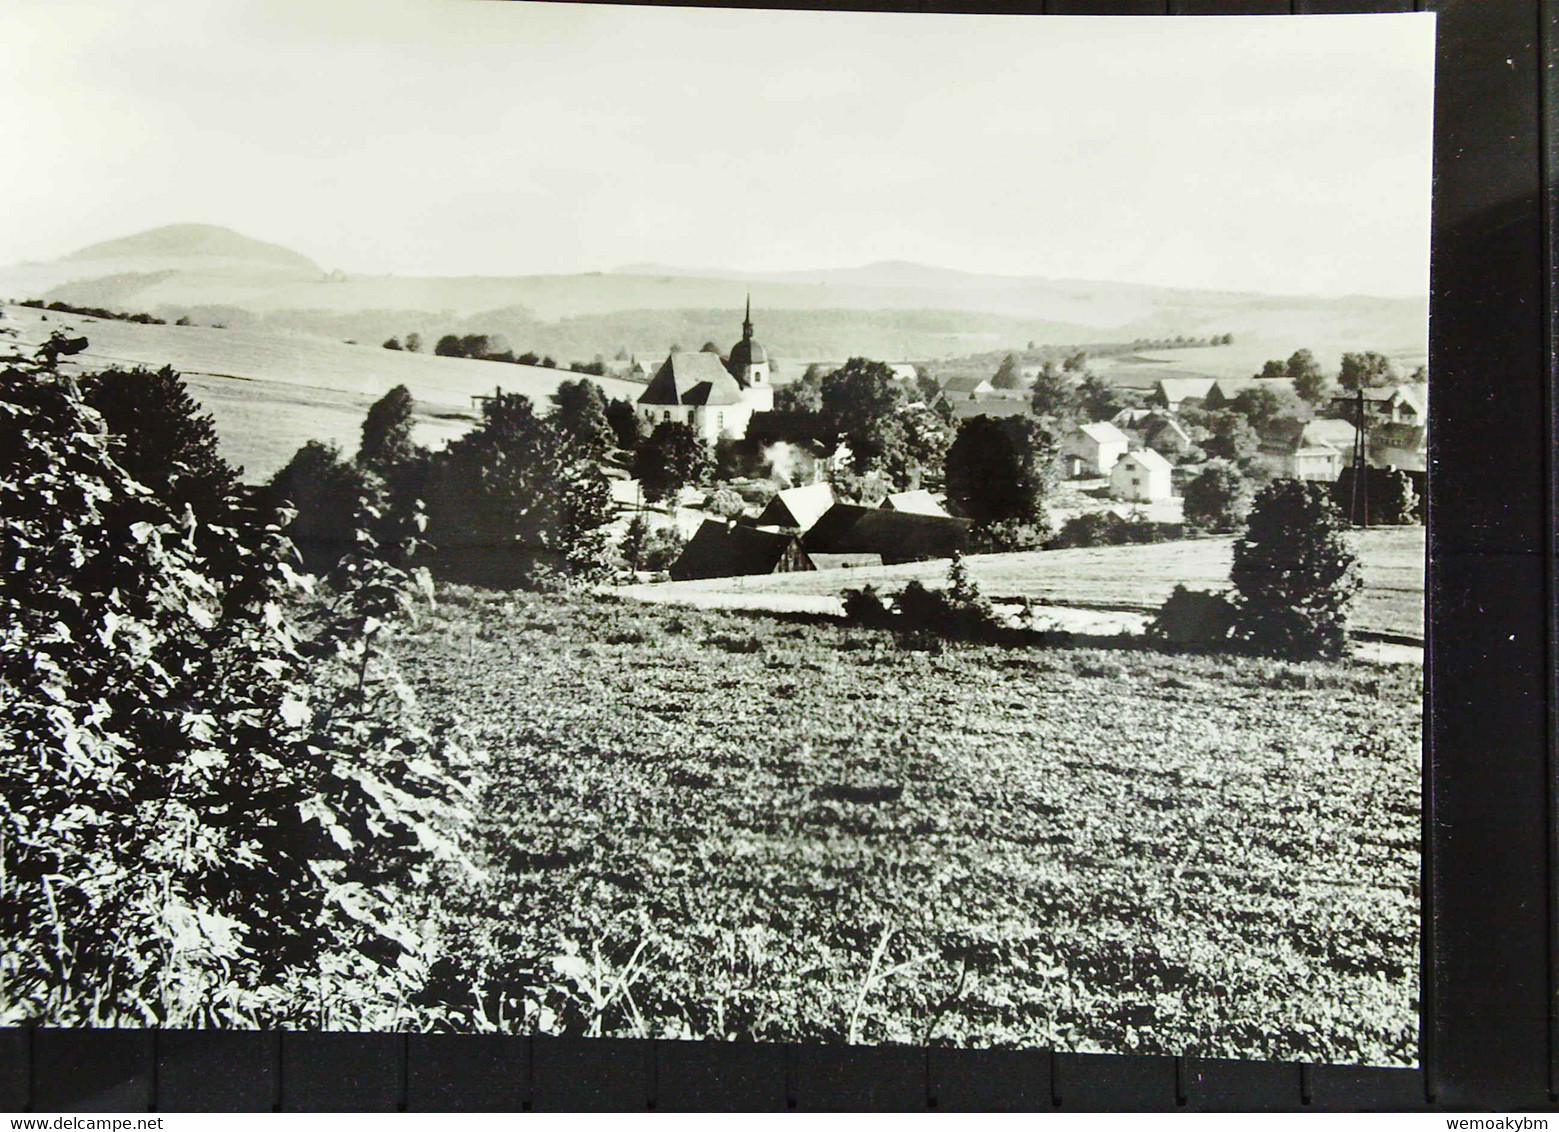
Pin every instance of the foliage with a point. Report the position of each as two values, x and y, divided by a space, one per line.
1305 372
867 491
860 395
158 435
1053 394
1097 399
1295 573
1193 619
579 409
671 459
392 343
626 425
910 445
1387 497
197 804
1218 499
1007 375
1106 528
725 503
387 432
865 607
1230 437
1260 405
323 492
1000 471
522 490
1365 370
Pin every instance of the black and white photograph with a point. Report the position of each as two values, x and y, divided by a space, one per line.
848 528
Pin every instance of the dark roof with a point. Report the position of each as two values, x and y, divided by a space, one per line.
725 550
779 425
692 378
899 536
747 352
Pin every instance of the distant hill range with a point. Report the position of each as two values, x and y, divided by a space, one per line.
891 310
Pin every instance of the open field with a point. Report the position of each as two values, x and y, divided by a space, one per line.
1110 577
270 391
754 828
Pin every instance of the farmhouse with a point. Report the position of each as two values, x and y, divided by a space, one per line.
1095 447
1226 389
798 507
1142 476
715 398
1173 392
897 536
956 389
903 371
1317 450
1399 404
721 549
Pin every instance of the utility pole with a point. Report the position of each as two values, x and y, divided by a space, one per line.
1359 489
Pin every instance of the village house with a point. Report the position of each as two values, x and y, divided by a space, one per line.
1173 392
1226 389
716 398
1142 476
1316 450
1092 449
1398 404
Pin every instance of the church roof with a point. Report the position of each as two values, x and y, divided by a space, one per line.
748 352
692 379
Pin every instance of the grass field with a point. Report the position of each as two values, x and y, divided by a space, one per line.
1119 577
270 391
707 824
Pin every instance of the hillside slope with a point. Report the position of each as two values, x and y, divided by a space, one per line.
270 392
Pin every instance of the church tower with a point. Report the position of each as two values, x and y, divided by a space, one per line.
749 364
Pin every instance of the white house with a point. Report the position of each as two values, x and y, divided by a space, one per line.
1142 476
1096 446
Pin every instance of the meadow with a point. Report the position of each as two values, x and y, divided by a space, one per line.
706 824
1130 578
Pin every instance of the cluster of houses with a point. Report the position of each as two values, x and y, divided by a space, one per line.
807 528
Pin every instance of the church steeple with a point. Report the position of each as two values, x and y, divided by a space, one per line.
747 320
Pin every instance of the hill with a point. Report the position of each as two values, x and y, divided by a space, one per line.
897 310
270 392
193 242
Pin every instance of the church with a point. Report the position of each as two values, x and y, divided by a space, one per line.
715 397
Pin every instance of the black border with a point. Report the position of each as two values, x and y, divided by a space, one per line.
1491 827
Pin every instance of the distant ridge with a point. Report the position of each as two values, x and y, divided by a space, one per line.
194 241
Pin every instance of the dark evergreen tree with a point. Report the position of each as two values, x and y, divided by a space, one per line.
1295 574
387 432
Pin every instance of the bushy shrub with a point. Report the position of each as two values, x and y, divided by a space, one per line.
1384 496
958 611
1193 619
1294 573
866 607
196 802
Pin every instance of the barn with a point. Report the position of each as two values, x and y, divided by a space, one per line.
798 507
897 536
720 549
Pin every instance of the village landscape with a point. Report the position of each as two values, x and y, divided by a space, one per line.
869 655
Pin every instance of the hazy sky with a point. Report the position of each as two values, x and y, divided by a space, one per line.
449 137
